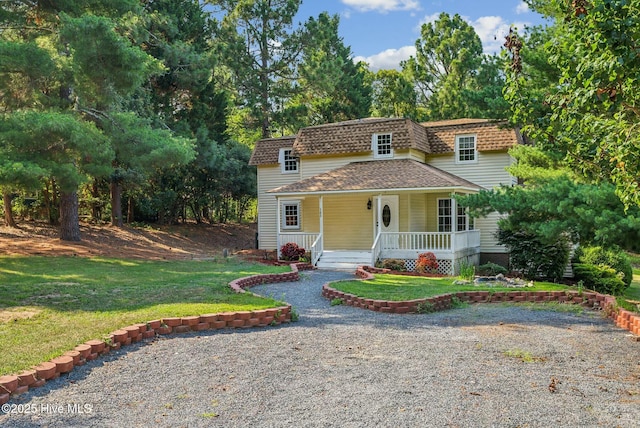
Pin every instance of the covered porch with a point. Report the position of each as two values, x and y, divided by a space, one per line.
340 217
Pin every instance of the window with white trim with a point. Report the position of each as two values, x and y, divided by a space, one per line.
288 163
444 215
461 219
466 151
381 145
291 215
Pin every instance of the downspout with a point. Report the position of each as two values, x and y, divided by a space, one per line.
279 222
320 207
454 230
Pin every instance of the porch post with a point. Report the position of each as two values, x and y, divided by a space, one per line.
454 230
320 207
379 214
279 221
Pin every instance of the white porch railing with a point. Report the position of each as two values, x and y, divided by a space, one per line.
375 250
305 240
469 239
316 250
429 241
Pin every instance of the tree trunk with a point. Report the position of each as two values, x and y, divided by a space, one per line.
51 202
9 221
95 208
69 223
116 203
130 213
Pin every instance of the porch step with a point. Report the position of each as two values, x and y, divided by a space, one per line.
344 260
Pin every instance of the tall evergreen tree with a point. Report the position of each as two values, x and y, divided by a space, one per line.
261 48
331 87
448 55
394 95
96 66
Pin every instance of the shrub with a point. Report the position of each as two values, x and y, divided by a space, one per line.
613 258
533 256
467 270
393 264
426 263
291 252
600 278
491 269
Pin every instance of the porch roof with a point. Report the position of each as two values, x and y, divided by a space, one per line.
379 175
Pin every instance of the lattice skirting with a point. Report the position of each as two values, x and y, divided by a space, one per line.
444 265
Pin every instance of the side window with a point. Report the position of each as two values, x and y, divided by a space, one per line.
444 215
461 219
288 163
291 215
466 151
381 145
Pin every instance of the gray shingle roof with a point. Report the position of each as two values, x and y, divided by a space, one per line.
267 151
354 136
490 135
378 175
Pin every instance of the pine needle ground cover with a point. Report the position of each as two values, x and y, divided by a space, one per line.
48 305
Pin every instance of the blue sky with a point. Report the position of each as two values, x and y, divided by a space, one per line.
384 32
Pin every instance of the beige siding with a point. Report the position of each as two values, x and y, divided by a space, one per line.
348 225
417 213
270 177
314 166
403 212
488 227
416 155
311 215
489 172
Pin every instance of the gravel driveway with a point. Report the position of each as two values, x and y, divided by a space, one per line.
345 367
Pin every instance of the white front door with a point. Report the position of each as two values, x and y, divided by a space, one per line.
387 213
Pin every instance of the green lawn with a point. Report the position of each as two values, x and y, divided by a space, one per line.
400 287
49 305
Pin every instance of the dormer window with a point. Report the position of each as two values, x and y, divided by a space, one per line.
381 146
466 150
288 163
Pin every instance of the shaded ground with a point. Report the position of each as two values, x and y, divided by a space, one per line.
188 241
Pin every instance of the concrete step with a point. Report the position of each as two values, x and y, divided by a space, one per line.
343 260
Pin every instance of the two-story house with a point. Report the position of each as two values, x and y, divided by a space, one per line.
359 191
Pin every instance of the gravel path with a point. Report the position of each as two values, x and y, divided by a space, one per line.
345 367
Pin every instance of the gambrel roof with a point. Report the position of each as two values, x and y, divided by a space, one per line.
267 151
397 174
490 135
355 136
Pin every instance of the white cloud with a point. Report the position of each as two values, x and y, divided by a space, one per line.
522 8
382 6
492 31
429 19
388 59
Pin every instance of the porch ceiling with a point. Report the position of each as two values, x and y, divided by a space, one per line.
379 175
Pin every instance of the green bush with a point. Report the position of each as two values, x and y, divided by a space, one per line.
600 278
491 269
613 258
393 264
534 256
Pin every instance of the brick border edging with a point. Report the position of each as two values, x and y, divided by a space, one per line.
13 385
621 317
